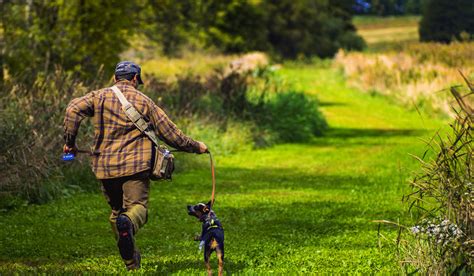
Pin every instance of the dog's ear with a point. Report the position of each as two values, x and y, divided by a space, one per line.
207 208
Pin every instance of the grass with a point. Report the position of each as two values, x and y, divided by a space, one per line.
417 74
365 22
382 33
290 208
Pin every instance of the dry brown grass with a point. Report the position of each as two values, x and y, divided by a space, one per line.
417 75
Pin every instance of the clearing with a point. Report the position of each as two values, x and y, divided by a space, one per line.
290 208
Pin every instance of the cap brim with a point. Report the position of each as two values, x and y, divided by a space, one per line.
139 79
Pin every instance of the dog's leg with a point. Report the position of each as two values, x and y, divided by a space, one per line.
220 258
207 254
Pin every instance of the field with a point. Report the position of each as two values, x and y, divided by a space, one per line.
382 32
287 208
290 208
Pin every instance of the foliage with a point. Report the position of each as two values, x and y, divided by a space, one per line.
31 131
307 28
447 20
286 28
412 75
79 36
442 199
82 36
292 116
198 63
170 24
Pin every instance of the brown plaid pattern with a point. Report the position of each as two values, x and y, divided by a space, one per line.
120 148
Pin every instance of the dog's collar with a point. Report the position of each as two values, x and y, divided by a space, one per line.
207 217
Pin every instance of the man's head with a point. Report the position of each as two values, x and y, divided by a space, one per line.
127 70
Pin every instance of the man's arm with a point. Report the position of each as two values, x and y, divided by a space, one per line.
168 132
76 111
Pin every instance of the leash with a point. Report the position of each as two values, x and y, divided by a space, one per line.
213 174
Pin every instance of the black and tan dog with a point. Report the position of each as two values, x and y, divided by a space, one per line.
212 235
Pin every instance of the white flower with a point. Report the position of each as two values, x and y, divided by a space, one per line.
415 229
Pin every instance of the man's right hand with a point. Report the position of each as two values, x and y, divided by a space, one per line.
203 148
72 150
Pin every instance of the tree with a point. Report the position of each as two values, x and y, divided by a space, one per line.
445 20
307 28
79 36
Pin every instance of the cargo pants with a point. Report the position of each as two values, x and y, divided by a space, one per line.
129 196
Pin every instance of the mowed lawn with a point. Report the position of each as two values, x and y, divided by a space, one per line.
286 209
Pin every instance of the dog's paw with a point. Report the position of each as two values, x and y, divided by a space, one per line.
197 237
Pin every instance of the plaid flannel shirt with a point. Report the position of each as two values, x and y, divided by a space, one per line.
120 148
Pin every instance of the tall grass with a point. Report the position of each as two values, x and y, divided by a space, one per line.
31 139
441 203
443 199
416 75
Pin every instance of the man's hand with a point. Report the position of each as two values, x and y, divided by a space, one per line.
72 150
203 148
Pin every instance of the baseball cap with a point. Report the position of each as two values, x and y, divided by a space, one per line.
128 67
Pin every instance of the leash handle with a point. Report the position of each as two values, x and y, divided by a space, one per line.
71 157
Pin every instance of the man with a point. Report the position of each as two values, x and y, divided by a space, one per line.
122 155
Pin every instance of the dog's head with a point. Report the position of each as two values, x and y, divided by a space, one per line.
199 210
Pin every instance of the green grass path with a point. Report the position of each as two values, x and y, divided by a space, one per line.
290 208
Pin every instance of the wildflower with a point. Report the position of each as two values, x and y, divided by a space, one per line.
415 229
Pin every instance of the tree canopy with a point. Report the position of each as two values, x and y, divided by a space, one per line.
445 20
81 35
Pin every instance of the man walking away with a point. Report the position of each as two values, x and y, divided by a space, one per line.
122 154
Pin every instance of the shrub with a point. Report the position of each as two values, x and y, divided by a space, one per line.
292 117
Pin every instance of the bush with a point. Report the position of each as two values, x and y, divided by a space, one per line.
292 117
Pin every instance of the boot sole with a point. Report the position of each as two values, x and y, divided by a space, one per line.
125 242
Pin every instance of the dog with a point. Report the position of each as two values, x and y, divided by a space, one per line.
212 235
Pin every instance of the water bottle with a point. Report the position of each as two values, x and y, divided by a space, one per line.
68 157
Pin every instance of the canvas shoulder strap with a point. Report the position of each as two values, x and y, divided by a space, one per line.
135 116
